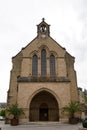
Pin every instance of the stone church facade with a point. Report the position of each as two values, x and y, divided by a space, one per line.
43 79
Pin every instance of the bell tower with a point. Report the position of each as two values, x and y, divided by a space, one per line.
43 29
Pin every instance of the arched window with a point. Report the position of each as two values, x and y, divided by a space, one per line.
34 65
43 62
52 65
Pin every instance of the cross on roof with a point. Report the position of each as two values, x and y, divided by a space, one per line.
43 19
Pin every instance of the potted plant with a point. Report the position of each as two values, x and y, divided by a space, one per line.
72 108
14 113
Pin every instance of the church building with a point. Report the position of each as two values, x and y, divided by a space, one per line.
43 78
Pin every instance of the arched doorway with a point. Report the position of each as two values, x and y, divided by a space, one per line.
44 107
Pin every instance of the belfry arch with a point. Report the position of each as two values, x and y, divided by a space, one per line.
44 107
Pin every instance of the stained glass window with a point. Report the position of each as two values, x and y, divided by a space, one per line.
52 65
43 62
34 65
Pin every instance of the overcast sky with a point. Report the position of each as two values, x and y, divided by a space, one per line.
18 20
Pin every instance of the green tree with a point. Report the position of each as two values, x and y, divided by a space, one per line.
3 113
85 98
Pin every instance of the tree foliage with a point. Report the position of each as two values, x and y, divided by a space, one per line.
85 98
72 108
3 113
15 110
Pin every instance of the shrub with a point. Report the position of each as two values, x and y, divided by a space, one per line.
84 123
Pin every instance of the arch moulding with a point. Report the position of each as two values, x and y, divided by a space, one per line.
47 90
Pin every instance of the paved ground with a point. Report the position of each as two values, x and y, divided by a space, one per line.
40 126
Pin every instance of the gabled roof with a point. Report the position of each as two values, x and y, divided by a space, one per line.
43 22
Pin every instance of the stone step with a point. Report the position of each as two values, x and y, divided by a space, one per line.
44 123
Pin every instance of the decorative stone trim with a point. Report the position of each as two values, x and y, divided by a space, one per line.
42 79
